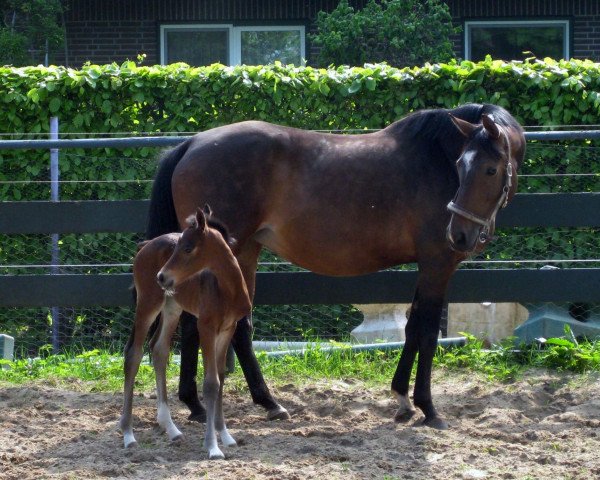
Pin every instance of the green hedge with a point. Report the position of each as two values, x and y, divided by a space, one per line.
128 97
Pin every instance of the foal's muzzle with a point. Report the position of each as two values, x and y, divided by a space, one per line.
165 282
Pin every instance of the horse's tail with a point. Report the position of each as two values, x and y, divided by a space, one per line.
161 214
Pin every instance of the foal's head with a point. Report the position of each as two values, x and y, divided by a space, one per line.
487 181
203 241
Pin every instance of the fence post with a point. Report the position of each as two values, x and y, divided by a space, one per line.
55 257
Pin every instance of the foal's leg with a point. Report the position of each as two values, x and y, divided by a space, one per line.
188 391
222 346
145 313
210 385
160 357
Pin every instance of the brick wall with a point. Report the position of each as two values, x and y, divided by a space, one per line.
114 30
584 16
111 30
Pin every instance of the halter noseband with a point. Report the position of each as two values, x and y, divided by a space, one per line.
487 223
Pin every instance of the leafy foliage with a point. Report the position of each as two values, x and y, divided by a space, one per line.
399 32
30 27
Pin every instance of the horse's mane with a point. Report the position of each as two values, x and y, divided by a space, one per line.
437 123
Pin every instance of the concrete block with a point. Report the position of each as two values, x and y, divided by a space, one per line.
7 347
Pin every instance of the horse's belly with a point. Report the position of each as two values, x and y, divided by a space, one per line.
336 256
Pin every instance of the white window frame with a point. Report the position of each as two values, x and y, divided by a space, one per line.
234 38
517 23
192 28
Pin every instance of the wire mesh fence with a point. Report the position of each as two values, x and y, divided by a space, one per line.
109 174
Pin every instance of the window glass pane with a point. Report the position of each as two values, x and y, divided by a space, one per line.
508 42
197 47
260 47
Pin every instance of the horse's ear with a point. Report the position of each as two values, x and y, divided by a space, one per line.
207 210
464 127
201 219
490 126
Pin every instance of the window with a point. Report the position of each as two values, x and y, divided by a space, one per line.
508 40
205 44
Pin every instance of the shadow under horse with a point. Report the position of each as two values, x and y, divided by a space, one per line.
425 189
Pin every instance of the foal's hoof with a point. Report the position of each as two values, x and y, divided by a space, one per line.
403 415
199 417
278 413
216 454
436 422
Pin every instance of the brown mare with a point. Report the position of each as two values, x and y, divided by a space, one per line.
425 189
194 271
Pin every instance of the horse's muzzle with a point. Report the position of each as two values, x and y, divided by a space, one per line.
461 241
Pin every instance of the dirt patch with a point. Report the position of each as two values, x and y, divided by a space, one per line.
543 426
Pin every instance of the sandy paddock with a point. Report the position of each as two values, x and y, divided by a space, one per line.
544 426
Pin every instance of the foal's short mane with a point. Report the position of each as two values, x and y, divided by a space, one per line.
215 223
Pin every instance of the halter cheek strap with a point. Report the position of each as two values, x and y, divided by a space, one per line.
487 223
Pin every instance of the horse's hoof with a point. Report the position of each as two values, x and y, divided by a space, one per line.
177 438
132 444
436 422
403 415
198 417
278 413
216 454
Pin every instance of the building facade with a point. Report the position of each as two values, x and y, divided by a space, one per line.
260 31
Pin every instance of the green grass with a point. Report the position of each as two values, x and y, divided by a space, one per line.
102 371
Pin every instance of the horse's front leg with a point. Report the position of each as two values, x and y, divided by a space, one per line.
188 390
401 380
429 316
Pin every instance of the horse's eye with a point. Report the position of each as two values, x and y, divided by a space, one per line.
491 171
188 249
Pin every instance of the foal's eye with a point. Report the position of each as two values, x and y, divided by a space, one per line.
491 171
188 249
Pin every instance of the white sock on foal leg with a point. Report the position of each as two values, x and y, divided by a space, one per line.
164 420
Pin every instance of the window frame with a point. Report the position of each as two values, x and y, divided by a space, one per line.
234 37
565 23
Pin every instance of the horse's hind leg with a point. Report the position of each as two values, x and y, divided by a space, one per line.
242 343
144 315
160 357
188 391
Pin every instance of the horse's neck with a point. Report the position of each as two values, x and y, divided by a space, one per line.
225 267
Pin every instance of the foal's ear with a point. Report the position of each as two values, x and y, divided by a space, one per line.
464 127
201 219
490 126
207 210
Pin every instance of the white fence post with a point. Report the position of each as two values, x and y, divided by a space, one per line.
55 257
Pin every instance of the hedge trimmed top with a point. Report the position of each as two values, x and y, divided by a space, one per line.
179 98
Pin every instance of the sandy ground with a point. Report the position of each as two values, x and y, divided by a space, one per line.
544 426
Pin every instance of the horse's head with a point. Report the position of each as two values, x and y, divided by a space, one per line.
190 254
487 181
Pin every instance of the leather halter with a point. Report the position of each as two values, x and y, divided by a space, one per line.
487 223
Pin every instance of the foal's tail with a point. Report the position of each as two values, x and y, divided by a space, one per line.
161 214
